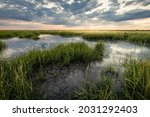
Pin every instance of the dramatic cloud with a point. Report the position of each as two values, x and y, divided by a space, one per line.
75 13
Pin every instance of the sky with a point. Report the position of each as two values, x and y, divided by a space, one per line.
74 14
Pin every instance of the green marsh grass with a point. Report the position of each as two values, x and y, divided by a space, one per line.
29 34
17 74
137 80
95 90
135 84
2 45
20 34
132 36
99 50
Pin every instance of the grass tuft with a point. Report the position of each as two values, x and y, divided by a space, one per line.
95 90
137 80
2 45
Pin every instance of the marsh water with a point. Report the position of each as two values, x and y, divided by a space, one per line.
114 51
60 82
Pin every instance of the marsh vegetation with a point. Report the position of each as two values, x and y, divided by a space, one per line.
135 84
133 36
2 46
17 74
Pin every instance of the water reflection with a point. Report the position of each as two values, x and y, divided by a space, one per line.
61 82
114 51
16 46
